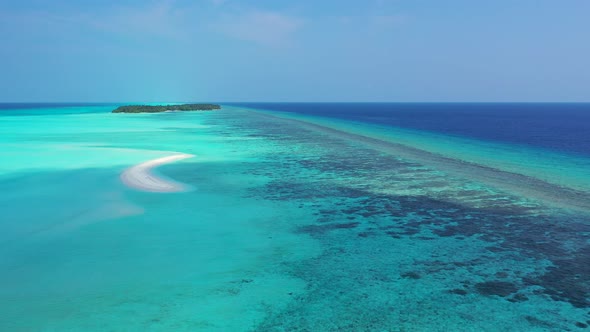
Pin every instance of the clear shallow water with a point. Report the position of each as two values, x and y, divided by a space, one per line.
288 227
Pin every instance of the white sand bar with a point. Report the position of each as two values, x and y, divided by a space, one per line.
140 176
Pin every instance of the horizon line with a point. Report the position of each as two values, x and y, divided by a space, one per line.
299 102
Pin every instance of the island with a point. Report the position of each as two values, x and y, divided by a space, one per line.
166 108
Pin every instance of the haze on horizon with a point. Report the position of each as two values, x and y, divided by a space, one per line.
263 50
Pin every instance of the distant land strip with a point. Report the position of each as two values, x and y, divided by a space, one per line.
166 108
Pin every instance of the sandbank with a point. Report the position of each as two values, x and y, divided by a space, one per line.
140 176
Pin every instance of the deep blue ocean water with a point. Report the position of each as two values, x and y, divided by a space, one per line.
563 127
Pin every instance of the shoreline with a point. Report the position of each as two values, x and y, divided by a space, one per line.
140 177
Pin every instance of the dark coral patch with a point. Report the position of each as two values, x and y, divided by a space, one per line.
321 229
499 288
534 321
458 291
411 275
562 282
518 298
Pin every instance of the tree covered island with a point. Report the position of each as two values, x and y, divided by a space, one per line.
165 108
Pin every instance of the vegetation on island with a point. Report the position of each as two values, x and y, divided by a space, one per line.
165 108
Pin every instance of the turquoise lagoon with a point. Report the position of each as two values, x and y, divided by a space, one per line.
292 223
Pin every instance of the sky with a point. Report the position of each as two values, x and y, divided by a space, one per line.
306 50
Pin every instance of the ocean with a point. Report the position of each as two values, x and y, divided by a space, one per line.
297 217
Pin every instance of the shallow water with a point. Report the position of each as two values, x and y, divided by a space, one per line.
288 227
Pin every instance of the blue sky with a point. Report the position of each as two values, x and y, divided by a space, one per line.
307 50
